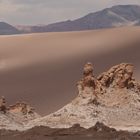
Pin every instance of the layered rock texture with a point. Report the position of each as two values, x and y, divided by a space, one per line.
15 116
112 98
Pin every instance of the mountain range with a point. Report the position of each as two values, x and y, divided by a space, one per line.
116 16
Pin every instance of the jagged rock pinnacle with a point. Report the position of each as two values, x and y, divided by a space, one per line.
88 69
88 79
87 85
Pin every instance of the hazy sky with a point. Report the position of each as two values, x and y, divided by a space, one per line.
49 11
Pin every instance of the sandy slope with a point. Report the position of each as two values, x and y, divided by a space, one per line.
42 69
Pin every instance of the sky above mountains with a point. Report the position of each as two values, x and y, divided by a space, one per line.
30 12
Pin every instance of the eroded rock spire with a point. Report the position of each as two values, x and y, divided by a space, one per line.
87 84
88 77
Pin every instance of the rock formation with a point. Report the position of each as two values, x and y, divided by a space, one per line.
113 98
87 85
117 77
15 116
88 79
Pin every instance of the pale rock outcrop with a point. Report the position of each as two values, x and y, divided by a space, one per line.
16 116
23 112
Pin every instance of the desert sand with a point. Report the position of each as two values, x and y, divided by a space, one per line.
42 69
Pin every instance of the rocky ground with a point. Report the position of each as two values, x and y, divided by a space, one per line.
98 132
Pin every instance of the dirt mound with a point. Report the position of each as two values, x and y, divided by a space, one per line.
99 131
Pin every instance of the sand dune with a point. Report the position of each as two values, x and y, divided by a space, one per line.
43 69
